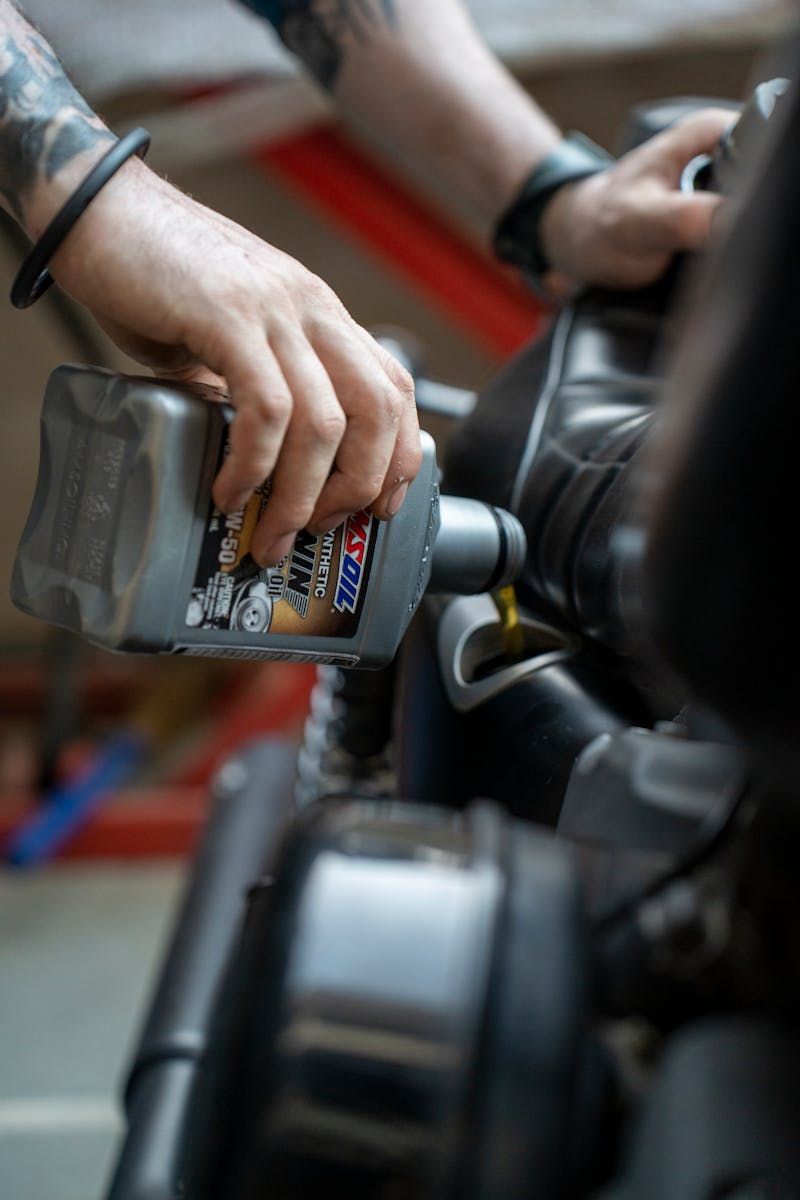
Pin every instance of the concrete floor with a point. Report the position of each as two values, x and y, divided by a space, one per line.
78 944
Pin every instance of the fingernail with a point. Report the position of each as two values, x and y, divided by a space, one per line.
396 499
328 523
275 552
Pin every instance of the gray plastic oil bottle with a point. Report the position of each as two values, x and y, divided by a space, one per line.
124 544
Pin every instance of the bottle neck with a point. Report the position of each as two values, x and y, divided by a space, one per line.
478 547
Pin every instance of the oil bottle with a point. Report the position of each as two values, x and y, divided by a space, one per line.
125 545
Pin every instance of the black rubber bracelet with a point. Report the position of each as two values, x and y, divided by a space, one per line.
33 278
516 237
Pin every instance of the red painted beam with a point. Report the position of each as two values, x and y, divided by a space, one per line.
489 302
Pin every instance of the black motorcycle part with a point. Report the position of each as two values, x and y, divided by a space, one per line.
555 439
251 800
722 1119
406 1016
518 743
641 803
428 733
527 738
721 586
653 818
346 749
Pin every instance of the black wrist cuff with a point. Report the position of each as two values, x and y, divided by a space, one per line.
516 237
33 279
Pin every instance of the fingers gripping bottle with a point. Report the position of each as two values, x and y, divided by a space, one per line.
124 544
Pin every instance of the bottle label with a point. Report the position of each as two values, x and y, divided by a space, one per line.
318 590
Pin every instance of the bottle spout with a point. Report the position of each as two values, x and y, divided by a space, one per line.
478 547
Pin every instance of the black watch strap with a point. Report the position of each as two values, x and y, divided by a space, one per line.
516 237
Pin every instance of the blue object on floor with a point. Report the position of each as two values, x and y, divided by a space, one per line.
67 807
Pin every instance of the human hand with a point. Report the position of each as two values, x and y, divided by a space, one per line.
318 405
621 228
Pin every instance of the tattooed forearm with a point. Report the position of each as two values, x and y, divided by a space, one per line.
319 31
44 122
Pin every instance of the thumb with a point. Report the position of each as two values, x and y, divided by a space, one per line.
684 219
699 133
